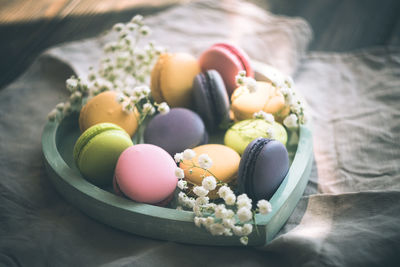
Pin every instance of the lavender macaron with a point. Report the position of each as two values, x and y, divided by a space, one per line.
176 131
211 99
263 167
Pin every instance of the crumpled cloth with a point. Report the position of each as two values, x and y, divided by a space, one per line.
348 216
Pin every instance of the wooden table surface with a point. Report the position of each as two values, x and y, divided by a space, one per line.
28 27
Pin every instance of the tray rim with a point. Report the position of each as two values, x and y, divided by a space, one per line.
70 184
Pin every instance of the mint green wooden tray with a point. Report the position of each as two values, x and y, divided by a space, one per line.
151 221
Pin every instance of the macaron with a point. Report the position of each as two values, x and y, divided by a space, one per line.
225 164
97 150
176 130
104 107
146 173
228 60
211 99
266 98
242 133
172 78
263 167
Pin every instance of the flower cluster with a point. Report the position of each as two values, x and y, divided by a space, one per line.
246 82
233 216
124 68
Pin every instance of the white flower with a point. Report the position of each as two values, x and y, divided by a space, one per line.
220 211
127 107
264 206
182 197
244 240
217 229
243 201
268 117
178 157
179 173
291 121
205 161
242 73
247 229
188 154
289 82
145 30
145 90
230 199
182 184
209 183
52 115
137 19
202 201
120 98
147 107
208 221
228 232
239 80
190 202
296 107
229 214
224 190
118 27
251 84
76 96
67 108
163 108
237 230
60 106
228 222
71 84
244 214
200 191
197 221
197 210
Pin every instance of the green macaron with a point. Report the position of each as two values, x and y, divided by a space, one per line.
97 150
243 132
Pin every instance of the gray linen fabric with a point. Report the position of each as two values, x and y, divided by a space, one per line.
349 215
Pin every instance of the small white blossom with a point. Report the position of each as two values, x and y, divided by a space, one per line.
202 201
244 240
239 80
71 84
264 206
200 191
197 210
243 201
228 232
147 107
217 229
76 96
268 117
205 161
188 154
247 229
67 108
182 184
60 106
145 30
118 27
291 121
251 84
190 202
163 108
52 115
220 211
179 173
209 183
197 221
127 107
230 199
179 208
237 230
137 19
182 197
224 190
289 81
244 214
228 222
242 73
178 157
208 221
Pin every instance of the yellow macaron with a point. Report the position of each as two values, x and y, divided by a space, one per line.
105 108
225 164
172 79
265 98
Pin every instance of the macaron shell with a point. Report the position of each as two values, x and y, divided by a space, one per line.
105 108
172 79
99 156
176 131
146 173
225 164
270 167
211 99
242 133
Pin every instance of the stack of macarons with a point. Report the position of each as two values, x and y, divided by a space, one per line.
204 98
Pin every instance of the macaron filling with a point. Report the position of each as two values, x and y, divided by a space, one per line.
250 163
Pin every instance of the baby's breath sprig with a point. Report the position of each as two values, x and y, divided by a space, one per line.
246 82
235 216
124 68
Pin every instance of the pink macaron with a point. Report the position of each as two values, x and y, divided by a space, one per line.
228 60
146 173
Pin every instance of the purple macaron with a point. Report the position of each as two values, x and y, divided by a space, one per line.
211 99
263 167
176 131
